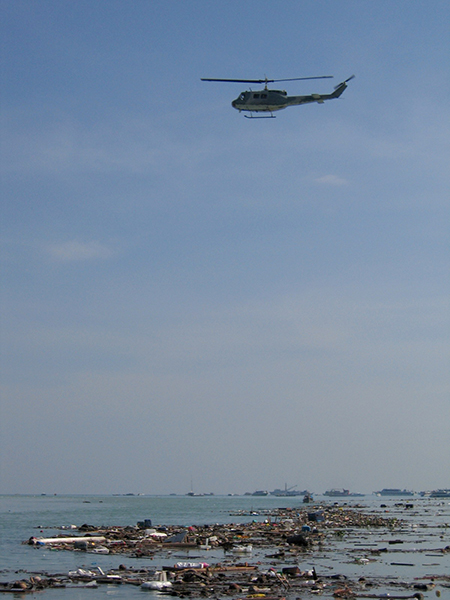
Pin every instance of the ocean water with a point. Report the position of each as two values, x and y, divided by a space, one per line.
425 530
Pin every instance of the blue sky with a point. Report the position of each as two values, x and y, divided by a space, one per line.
190 295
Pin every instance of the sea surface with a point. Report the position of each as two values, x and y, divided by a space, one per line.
425 530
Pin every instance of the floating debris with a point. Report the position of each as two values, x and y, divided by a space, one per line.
279 544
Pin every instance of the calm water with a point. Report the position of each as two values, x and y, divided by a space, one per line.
426 529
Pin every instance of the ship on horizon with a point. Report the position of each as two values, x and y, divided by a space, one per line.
441 493
287 491
394 492
342 493
337 493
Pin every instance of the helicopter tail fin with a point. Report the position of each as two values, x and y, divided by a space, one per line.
339 89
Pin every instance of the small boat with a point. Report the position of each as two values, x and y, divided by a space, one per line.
159 583
308 498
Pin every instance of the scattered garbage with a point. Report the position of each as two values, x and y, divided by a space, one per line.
298 540
146 524
160 582
247 549
316 516
279 544
191 565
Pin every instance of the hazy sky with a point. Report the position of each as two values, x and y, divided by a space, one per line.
191 295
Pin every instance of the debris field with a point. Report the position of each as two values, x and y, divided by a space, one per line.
261 559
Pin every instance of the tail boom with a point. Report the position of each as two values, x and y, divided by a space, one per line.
319 98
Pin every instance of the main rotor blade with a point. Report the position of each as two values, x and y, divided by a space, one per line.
303 78
266 80
240 80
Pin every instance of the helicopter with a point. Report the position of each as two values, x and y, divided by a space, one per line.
271 100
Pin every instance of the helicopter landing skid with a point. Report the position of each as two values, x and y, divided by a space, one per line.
271 116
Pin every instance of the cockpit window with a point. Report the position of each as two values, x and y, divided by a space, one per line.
242 97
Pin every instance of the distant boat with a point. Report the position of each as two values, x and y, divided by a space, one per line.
287 492
260 493
394 492
445 493
335 493
192 493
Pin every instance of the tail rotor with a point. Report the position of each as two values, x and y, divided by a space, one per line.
346 81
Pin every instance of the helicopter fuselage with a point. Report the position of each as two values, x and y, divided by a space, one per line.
262 101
